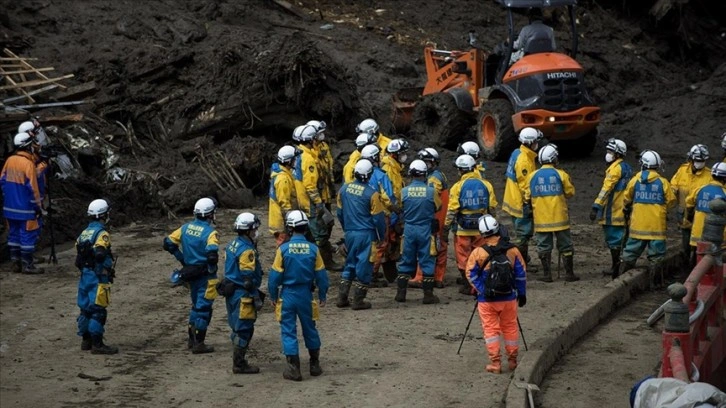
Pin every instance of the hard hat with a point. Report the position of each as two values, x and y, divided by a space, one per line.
488 225
364 139
719 169
370 152
363 170
204 207
465 162
650 159
319 126
97 208
723 141
617 146
529 136
429 154
22 140
397 146
470 148
417 168
296 218
296 133
548 154
307 133
367 126
246 221
26 127
698 152
286 154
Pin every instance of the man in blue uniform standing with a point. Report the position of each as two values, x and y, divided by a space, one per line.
297 269
95 261
240 287
195 245
420 203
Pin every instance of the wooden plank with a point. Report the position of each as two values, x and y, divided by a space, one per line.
28 71
16 58
52 120
35 92
16 88
7 51
76 92
36 82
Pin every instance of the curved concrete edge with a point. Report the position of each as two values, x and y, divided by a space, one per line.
544 353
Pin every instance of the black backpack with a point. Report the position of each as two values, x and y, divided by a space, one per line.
500 280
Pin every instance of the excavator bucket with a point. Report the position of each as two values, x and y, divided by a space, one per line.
404 102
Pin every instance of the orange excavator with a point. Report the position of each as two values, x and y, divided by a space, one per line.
543 89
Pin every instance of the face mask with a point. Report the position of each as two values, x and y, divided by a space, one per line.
403 158
698 165
321 136
609 157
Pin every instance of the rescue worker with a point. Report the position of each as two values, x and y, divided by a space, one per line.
689 177
240 287
95 262
497 311
361 141
195 246
392 164
697 204
521 164
471 197
419 203
283 197
438 181
361 215
547 194
296 271
371 126
34 129
22 206
472 149
648 197
608 205
534 37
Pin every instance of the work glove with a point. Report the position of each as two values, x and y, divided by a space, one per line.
111 272
627 210
527 210
593 214
39 213
521 300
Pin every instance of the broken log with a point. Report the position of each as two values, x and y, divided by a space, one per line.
75 92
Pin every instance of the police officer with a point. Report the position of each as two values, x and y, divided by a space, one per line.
472 149
361 215
689 177
22 206
241 284
419 204
283 197
196 246
548 192
307 177
392 164
697 207
95 261
471 197
371 126
361 141
296 271
608 205
648 197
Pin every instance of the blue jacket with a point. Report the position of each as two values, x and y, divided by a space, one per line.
96 234
477 270
298 263
19 183
420 203
360 209
198 242
242 262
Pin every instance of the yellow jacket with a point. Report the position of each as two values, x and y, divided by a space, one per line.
521 165
651 197
548 190
393 168
306 177
469 198
610 200
382 143
325 166
684 182
698 201
349 168
283 198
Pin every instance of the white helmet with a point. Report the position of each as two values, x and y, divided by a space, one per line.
650 159
26 127
22 140
286 154
698 152
719 170
723 141
363 170
371 152
488 225
470 148
364 139
529 136
307 133
319 126
548 154
297 132
296 218
204 207
246 221
397 146
429 154
98 208
417 168
617 146
367 126
465 162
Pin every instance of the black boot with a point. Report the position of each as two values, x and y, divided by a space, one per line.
615 259
99 348
402 284
326 252
199 346
359 296
315 369
17 266
524 250
239 362
624 267
292 371
428 290
190 340
87 342
343 291
546 259
570 276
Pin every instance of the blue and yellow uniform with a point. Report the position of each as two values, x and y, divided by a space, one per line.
520 166
419 203
242 267
697 202
94 260
609 202
296 270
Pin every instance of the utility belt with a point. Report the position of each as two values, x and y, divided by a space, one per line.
227 287
190 273
468 221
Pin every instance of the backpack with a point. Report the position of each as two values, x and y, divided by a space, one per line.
500 280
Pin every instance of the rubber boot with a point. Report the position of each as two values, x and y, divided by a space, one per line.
512 362
524 250
199 346
615 259
546 259
17 266
190 340
428 289
570 276
292 371
655 271
31 269
239 362
624 267
359 296
99 348
87 342
315 369
495 366
343 291
326 252
402 285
